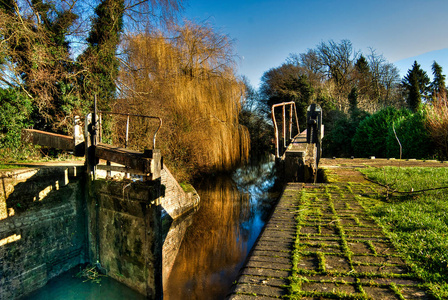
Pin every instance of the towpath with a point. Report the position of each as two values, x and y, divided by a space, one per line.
321 244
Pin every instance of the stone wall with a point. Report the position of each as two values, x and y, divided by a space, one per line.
42 227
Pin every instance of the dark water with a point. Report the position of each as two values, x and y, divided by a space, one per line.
233 211
205 250
69 287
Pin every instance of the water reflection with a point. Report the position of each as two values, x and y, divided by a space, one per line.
233 211
174 233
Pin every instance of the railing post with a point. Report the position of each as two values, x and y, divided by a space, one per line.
290 122
91 140
127 132
277 151
100 125
284 127
297 119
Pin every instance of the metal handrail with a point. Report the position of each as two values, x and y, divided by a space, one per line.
127 125
283 105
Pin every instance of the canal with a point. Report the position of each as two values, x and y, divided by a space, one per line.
204 250
232 213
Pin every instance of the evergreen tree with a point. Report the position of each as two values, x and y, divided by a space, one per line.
363 78
362 66
353 99
100 56
416 82
438 87
414 96
55 25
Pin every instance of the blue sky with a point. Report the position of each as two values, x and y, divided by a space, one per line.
267 31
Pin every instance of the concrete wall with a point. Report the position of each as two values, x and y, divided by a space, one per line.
42 227
175 201
300 165
52 219
125 233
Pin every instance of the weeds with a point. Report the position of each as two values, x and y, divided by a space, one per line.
90 273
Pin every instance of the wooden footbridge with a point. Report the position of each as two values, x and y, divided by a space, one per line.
298 154
147 164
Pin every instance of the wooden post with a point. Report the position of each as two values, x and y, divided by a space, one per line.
78 136
90 143
108 172
100 131
127 132
156 163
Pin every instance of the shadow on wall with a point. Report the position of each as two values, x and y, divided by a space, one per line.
42 227
25 189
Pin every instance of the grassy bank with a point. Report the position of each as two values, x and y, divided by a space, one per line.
417 222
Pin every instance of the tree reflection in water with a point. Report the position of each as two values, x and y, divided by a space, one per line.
232 212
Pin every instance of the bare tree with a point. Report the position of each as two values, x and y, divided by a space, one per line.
337 63
385 80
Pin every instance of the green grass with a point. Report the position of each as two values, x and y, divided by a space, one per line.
418 222
3 166
405 179
187 187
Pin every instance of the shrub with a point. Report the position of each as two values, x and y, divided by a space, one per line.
414 137
14 115
371 136
339 133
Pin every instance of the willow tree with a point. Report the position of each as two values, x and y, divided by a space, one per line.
189 80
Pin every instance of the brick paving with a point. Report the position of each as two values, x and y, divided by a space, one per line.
321 244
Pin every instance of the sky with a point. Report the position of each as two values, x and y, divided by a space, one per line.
267 31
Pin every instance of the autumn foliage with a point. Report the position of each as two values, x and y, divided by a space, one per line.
437 124
188 79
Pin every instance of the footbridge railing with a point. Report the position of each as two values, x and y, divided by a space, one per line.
147 163
128 119
88 143
287 126
299 158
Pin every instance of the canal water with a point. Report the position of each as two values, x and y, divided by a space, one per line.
232 213
204 250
